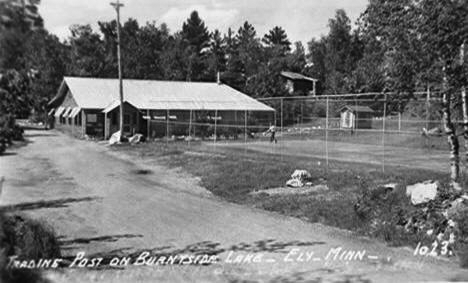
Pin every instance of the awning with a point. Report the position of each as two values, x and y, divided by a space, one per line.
74 112
67 112
59 111
50 112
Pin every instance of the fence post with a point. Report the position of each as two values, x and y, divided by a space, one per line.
302 117
356 118
190 128
245 126
326 132
148 124
216 123
383 132
167 126
399 121
428 97
275 122
281 118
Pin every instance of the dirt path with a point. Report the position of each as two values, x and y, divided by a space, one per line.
99 202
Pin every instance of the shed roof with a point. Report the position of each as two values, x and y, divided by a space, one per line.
357 108
97 93
297 76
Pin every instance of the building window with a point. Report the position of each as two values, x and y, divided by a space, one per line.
91 118
126 119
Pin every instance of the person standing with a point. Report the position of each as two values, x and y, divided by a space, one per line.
272 132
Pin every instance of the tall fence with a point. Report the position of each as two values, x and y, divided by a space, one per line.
377 128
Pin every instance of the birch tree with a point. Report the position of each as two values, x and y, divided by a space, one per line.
450 131
444 28
464 100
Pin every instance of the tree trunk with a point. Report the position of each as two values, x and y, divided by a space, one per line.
451 136
464 106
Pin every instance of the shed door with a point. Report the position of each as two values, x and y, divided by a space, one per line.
347 119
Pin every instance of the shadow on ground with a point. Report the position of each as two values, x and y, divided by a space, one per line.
40 135
110 238
58 203
271 245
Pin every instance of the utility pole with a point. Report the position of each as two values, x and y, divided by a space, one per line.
117 5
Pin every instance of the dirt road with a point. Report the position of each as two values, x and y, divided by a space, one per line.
101 203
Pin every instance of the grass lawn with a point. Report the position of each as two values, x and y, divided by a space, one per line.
373 137
232 174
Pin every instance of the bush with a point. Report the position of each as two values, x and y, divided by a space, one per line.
9 132
385 211
27 239
3 145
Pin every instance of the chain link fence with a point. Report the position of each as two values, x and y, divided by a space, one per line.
378 129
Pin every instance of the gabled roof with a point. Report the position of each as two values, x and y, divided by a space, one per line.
94 93
296 76
357 108
114 104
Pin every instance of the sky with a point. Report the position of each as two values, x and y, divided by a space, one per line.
302 19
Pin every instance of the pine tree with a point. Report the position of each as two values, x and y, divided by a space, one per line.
277 37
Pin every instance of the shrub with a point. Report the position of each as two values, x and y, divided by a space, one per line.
27 239
385 211
9 132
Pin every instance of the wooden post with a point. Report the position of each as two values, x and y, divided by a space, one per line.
106 133
399 121
356 117
190 127
326 132
383 132
274 117
302 117
167 126
195 128
83 123
117 7
148 124
72 124
245 126
281 118
428 97
216 123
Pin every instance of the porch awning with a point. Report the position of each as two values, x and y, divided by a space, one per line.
59 111
74 112
67 112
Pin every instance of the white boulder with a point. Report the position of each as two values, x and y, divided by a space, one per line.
422 192
115 138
